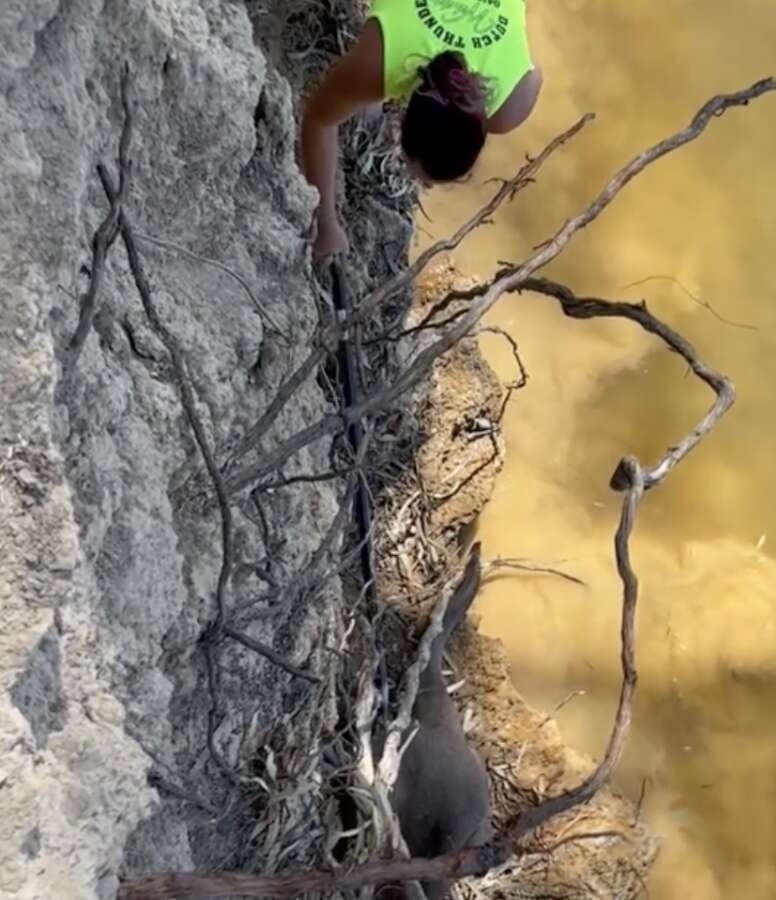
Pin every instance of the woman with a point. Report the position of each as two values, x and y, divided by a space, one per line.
463 65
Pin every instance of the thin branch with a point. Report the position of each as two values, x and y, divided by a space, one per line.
268 653
213 674
569 698
427 323
340 520
366 308
106 233
516 384
186 390
694 297
531 819
165 786
179 248
303 478
284 393
272 460
640 803
523 565
633 480
509 188
309 574
522 378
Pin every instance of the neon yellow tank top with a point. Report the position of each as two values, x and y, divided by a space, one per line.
490 34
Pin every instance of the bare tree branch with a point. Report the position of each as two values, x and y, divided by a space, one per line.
523 565
233 273
427 323
303 478
531 819
694 297
589 308
284 393
296 884
106 233
398 283
268 653
272 460
509 188
216 630
516 384
188 401
308 574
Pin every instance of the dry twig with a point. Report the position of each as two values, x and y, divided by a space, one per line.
268 653
106 233
188 401
524 565
694 297
590 308
167 244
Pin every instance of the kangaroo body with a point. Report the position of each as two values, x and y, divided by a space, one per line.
441 793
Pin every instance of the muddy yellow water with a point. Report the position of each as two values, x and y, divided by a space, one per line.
704 737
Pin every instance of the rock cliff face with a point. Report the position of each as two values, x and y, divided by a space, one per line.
114 699
107 576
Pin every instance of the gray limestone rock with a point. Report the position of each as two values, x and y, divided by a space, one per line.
108 565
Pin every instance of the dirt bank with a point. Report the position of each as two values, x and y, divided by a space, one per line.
457 464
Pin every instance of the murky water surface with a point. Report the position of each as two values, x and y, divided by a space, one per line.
704 739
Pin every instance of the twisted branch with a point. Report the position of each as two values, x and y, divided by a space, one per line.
590 308
167 244
106 233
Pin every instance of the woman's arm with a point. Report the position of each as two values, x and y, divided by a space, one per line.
519 105
353 82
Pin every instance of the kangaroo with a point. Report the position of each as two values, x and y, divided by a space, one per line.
441 793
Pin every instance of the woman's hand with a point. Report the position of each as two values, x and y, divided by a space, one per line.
331 238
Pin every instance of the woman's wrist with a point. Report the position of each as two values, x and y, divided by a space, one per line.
327 214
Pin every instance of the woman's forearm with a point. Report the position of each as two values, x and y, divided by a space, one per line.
320 153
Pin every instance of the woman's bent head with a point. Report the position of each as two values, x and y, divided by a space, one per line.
444 127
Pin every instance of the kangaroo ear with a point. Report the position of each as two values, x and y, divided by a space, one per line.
470 578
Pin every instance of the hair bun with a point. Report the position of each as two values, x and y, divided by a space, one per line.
448 80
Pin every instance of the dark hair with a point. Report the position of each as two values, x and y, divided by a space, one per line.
444 125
